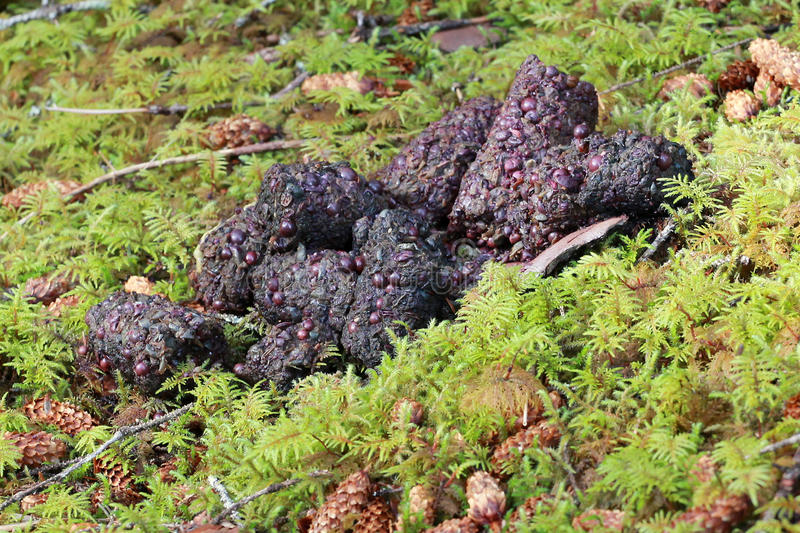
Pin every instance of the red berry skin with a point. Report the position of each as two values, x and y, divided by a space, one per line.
141 368
238 369
82 349
104 364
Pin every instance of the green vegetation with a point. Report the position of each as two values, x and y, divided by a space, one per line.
659 364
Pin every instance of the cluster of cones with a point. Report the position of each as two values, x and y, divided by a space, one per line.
747 86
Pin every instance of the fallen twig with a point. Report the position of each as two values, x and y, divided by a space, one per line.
422 27
226 499
191 158
275 487
663 236
175 109
52 12
794 439
121 433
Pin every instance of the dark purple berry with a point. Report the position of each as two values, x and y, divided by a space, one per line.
347 263
238 369
379 303
359 263
394 279
287 228
352 327
272 284
664 161
251 257
236 236
302 334
100 334
82 349
527 104
378 280
226 253
218 305
550 71
277 298
595 162
332 209
348 173
104 364
374 317
141 368
580 131
308 324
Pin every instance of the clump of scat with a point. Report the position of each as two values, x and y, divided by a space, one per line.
288 352
544 173
315 204
225 256
147 337
406 277
426 175
296 287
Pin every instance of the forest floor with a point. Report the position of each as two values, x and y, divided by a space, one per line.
640 386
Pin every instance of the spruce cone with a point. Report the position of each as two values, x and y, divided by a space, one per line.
16 198
119 481
599 518
738 76
780 62
705 469
526 510
376 518
792 407
456 525
421 503
45 289
344 505
37 447
415 409
240 130
720 517
409 15
741 106
698 85
512 449
32 500
67 417
715 6
487 502
766 88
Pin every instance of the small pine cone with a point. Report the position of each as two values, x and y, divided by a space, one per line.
704 469
45 289
780 62
526 510
32 500
599 518
344 504
61 303
165 471
236 131
139 284
16 198
421 502
546 435
66 416
715 6
37 447
409 15
556 398
738 76
413 407
119 481
487 502
792 407
767 88
376 518
456 525
698 85
719 517
741 106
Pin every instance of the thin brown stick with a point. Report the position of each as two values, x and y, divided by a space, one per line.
121 433
698 59
661 239
275 487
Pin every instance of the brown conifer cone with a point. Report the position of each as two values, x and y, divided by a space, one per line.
62 302
45 289
37 447
120 482
236 131
487 501
599 518
66 416
32 500
421 502
698 85
376 518
739 75
767 89
741 106
456 525
720 517
546 435
416 409
15 198
704 469
715 6
792 407
780 62
346 503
